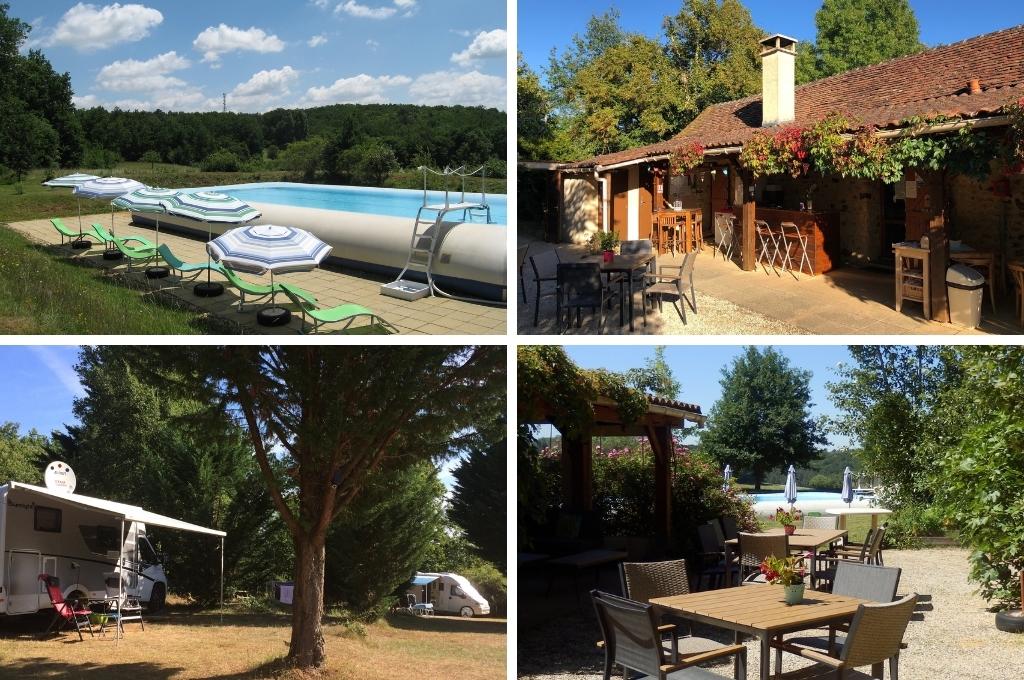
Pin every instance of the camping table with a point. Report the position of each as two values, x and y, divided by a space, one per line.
625 264
112 610
761 611
588 559
803 540
843 512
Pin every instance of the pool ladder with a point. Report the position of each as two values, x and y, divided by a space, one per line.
426 233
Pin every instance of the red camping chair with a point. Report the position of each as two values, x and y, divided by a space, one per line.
65 613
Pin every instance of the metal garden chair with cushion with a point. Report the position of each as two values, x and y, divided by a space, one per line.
754 548
579 286
712 556
65 614
853 579
643 580
876 636
632 640
546 262
730 527
673 285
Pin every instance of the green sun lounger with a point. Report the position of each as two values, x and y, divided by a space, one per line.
73 234
259 291
184 268
346 313
109 238
140 254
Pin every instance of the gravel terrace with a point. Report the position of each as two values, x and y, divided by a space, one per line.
951 636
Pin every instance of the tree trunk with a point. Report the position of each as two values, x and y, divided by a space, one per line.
307 645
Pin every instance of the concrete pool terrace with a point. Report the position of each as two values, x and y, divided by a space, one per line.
332 286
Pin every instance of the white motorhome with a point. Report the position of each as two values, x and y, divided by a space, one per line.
85 542
449 593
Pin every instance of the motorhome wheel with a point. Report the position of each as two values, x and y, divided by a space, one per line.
156 598
466 612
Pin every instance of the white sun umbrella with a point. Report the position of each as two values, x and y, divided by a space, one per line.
104 188
847 494
790 491
263 248
210 207
147 200
727 475
70 181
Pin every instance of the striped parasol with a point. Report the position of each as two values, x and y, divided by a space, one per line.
147 200
210 207
70 181
106 188
263 248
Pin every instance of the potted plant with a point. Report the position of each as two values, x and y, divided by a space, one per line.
609 242
785 572
594 245
788 519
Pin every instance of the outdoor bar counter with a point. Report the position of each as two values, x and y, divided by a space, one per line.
821 230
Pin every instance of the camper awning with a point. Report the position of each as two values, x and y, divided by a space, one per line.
130 513
422 580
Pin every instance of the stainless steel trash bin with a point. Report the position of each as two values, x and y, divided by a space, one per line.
965 287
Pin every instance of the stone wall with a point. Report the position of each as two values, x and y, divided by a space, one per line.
579 219
977 216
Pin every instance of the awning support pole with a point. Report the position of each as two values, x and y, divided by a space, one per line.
222 579
118 625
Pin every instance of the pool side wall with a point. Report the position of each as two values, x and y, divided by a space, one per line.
470 258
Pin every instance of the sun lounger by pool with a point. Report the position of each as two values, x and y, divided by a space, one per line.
259 290
345 314
184 268
73 234
110 239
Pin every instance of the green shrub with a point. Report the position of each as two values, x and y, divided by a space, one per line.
491 583
221 161
827 482
911 522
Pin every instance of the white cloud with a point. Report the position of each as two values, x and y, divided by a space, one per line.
86 101
87 28
460 32
360 89
353 8
322 4
131 75
263 90
174 100
451 87
60 368
317 40
372 44
213 42
486 45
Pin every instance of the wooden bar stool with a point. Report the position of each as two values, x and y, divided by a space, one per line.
697 231
1017 272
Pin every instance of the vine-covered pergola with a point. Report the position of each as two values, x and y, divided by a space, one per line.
585 404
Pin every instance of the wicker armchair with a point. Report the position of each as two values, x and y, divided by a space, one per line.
643 580
754 548
632 640
876 636
821 522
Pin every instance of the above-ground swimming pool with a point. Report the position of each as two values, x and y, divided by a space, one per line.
371 200
807 501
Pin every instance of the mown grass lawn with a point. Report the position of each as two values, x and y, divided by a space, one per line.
185 644
43 293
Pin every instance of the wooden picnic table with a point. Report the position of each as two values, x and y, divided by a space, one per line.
760 611
808 540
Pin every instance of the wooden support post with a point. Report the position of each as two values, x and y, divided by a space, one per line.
748 237
578 473
661 445
938 238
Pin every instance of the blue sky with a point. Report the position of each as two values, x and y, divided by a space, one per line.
182 55
698 368
544 24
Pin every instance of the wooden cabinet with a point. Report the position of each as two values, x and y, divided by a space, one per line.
913 276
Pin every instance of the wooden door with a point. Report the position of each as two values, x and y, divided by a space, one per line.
620 203
646 202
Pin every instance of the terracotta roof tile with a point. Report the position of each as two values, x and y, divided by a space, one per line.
672 403
927 84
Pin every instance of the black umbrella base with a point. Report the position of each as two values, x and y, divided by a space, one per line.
157 272
81 244
273 316
208 289
113 255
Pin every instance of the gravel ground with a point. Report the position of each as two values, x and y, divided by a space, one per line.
714 316
951 636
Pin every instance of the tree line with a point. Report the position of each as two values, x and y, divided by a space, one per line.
611 89
179 435
355 143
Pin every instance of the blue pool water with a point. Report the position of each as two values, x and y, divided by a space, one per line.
375 201
801 496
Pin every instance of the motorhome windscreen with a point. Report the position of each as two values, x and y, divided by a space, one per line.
99 539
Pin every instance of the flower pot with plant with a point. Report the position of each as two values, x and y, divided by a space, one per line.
788 519
784 571
609 242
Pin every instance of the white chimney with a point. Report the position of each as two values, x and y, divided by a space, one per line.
778 80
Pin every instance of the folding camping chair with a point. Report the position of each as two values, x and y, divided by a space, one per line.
65 613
